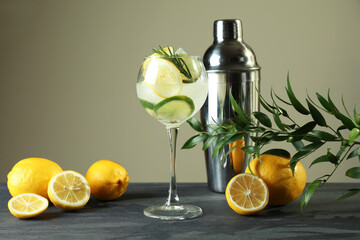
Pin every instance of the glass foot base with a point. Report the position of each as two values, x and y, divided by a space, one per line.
175 212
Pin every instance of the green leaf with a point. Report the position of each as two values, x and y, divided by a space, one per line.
349 193
227 153
218 146
353 135
309 191
316 105
304 129
221 143
282 100
234 138
324 135
238 110
353 172
195 124
295 159
311 138
265 104
278 152
299 155
298 145
193 141
263 119
320 159
249 149
280 110
341 151
343 103
331 104
356 116
316 115
324 102
210 141
278 122
354 153
331 157
311 147
279 138
348 123
296 104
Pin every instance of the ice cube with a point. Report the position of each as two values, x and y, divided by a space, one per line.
181 51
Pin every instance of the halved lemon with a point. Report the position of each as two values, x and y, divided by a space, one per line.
163 77
69 190
247 194
27 205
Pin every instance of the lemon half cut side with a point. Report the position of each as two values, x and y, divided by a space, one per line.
69 190
247 194
27 205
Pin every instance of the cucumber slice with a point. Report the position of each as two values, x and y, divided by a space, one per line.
175 109
146 104
149 107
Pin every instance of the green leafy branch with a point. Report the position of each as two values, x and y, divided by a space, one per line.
305 139
175 59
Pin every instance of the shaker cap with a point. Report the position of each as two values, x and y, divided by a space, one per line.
229 51
227 29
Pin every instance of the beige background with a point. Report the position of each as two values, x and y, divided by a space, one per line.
68 72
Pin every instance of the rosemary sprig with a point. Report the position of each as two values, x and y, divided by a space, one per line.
305 139
175 59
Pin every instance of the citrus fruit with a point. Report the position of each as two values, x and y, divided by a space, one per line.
69 190
168 50
163 77
276 173
247 194
175 109
108 180
31 175
237 155
27 205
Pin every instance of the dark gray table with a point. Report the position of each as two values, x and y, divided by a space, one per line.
124 219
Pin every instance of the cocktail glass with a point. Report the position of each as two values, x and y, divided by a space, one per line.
172 90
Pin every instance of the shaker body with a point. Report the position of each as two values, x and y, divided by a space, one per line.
231 65
217 108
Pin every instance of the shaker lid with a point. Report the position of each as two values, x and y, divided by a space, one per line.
229 51
227 29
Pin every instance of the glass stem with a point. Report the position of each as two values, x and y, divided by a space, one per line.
173 198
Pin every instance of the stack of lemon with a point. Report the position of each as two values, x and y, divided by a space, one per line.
272 183
34 181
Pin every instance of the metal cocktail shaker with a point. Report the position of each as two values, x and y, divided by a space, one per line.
230 64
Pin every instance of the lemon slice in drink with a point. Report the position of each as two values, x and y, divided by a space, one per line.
247 194
168 50
27 205
69 190
175 109
163 77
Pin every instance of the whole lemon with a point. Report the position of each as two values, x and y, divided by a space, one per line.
276 173
32 175
108 180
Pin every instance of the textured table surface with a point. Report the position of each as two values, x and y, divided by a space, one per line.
124 219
